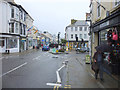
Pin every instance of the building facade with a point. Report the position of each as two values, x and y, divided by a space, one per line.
80 29
12 27
29 27
104 16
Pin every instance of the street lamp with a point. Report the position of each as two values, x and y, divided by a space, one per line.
58 37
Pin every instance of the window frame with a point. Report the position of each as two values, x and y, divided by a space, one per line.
80 28
12 12
80 36
71 36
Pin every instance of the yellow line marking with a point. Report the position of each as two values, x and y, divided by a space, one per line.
54 87
68 85
57 87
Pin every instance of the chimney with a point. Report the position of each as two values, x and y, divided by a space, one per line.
73 21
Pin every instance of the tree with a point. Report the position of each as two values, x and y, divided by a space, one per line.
63 41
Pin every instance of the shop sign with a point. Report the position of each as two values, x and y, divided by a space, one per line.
104 24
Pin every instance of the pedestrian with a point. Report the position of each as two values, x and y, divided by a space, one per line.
100 62
95 67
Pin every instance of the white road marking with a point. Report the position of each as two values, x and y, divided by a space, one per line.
54 84
1 58
36 58
13 69
61 68
100 85
58 77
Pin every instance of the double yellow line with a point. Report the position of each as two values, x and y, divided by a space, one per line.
67 86
56 87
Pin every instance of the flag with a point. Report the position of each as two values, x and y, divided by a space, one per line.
30 28
35 31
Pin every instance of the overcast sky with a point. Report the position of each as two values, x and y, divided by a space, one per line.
54 15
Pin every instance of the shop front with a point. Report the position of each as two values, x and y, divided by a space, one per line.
22 44
30 43
103 27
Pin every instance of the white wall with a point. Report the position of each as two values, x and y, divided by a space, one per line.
78 32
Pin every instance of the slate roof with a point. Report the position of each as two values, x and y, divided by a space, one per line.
79 23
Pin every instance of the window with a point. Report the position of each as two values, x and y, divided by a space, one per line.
80 36
75 28
71 28
71 36
12 12
85 29
11 43
17 14
117 2
98 11
80 28
24 29
20 28
75 35
85 36
12 27
98 8
21 15
16 27
2 43
24 17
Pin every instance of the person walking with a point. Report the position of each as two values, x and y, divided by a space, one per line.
100 61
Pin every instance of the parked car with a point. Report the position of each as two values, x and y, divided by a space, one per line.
45 48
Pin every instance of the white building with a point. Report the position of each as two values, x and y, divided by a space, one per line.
29 27
12 27
80 29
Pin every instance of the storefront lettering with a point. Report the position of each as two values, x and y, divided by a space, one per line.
104 24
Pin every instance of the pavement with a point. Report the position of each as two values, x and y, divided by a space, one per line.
80 75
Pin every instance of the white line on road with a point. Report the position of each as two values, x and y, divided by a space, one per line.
53 84
13 69
101 86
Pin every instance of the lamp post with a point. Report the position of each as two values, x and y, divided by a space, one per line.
58 39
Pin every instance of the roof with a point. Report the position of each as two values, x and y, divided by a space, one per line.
79 23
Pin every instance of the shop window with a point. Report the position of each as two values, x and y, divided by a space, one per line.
11 43
103 37
2 43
